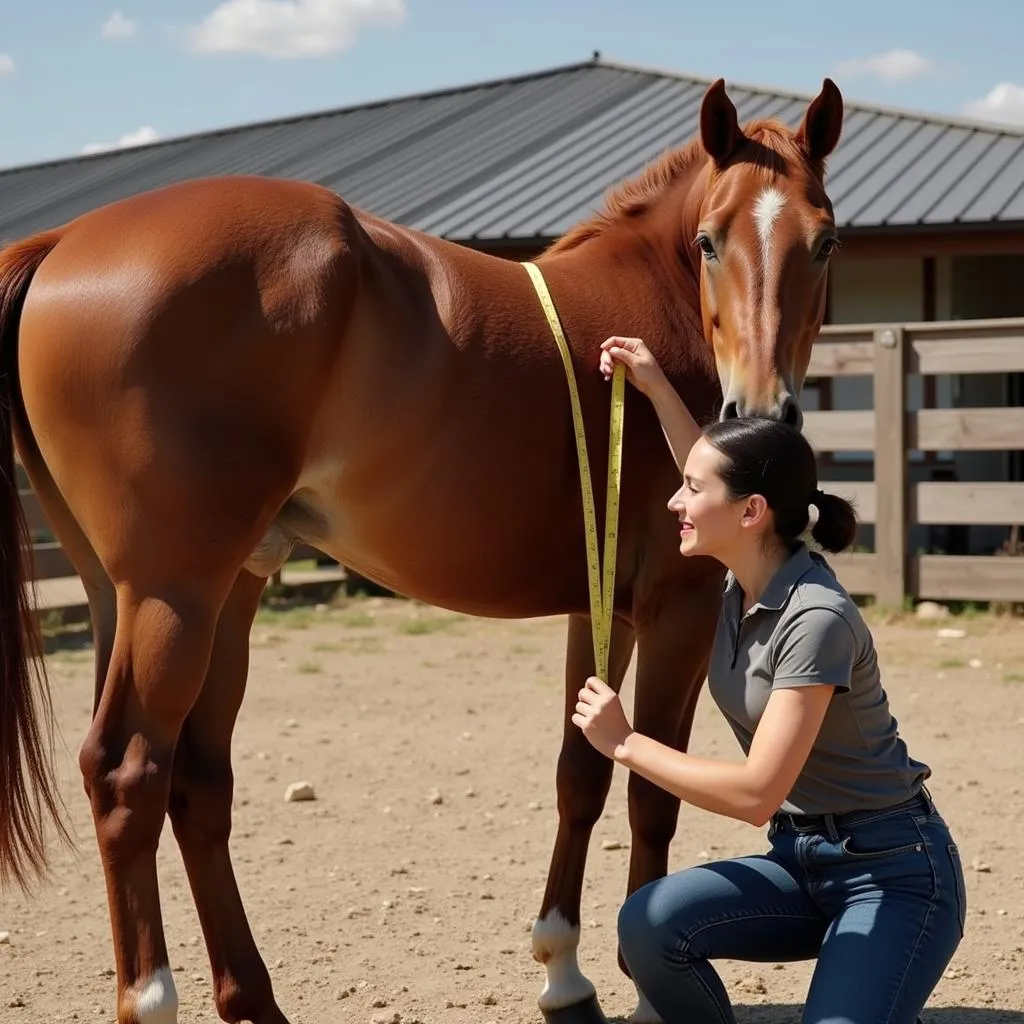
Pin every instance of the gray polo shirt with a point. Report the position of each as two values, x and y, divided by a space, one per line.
806 630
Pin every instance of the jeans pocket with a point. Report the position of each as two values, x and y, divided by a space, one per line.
857 852
959 885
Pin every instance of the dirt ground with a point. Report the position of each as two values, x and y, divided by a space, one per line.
376 902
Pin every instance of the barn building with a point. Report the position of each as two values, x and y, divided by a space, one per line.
930 209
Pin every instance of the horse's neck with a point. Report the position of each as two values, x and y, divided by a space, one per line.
625 282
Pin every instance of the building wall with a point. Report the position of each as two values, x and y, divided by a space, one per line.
887 290
883 289
988 286
877 290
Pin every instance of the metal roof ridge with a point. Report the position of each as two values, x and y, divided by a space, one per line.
596 61
907 113
310 115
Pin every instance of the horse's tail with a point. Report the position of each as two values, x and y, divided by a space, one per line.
28 790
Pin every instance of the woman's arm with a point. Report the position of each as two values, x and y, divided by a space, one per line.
680 428
815 657
751 790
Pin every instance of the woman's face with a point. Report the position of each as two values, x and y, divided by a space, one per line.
711 524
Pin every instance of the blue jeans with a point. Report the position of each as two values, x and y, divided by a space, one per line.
876 897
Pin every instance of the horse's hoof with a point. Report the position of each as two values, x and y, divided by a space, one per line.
587 1012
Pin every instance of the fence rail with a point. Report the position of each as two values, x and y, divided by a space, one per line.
888 353
58 588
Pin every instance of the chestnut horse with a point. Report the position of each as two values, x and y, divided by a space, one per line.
199 376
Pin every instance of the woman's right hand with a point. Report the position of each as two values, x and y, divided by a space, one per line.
642 369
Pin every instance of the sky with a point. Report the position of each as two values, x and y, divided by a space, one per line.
81 75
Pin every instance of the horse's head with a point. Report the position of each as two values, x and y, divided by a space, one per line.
765 233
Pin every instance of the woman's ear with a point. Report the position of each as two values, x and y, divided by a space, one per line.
755 512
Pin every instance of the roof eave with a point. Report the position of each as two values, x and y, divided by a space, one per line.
953 229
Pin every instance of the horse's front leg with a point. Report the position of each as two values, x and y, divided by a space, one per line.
583 779
673 647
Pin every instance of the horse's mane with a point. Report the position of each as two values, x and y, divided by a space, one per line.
769 150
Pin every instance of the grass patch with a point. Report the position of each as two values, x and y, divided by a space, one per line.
959 613
1013 677
358 619
952 663
968 609
266 640
426 625
309 667
326 648
75 657
290 618
363 645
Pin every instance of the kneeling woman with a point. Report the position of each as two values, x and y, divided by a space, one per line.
862 872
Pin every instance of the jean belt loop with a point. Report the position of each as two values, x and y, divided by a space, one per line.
928 800
830 827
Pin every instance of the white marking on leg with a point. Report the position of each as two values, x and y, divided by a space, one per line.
154 1000
644 1012
555 942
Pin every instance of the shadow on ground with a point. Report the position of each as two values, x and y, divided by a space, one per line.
938 1015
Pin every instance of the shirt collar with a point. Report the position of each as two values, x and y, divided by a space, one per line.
781 585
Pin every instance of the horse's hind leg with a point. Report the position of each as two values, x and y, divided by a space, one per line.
200 808
582 780
160 655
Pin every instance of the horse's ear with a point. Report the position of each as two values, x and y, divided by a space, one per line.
719 126
823 123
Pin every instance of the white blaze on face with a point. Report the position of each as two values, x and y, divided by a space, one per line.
767 209
555 942
154 1000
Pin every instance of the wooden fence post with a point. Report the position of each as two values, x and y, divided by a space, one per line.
890 387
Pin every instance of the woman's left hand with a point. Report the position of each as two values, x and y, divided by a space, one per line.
599 714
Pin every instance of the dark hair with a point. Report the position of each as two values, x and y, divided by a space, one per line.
773 459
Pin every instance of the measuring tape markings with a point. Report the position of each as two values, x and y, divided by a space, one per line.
602 588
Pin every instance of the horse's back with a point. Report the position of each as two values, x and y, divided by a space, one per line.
177 279
260 343
177 342
172 237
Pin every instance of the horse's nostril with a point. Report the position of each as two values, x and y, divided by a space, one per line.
791 413
730 411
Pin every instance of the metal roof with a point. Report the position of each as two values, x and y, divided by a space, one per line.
525 158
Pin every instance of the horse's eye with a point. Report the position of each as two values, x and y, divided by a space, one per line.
828 248
706 247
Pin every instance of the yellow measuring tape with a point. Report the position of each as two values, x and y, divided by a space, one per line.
601 596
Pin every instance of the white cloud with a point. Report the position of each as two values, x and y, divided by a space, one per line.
117 26
7 65
290 28
139 137
1003 103
891 66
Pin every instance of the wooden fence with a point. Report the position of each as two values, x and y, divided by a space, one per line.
888 353
57 586
52 563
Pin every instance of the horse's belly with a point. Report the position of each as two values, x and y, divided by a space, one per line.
452 547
